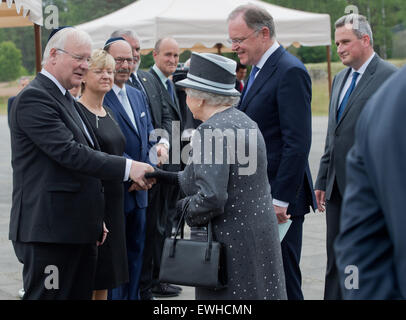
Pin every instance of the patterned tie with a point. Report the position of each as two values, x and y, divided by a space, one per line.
347 96
170 89
77 116
127 107
251 79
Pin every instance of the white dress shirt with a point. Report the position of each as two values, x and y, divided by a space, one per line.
361 72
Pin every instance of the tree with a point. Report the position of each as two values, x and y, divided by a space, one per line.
10 61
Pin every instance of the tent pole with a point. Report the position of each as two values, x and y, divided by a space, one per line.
38 49
329 70
219 45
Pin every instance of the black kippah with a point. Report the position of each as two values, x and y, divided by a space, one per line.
112 40
56 30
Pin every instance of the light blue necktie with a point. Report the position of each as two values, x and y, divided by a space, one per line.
347 96
127 107
251 79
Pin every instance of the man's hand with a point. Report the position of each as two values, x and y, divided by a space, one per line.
162 153
137 175
281 214
105 232
321 200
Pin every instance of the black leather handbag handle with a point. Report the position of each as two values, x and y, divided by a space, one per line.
180 223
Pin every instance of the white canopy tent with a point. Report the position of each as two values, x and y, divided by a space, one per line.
23 13
200 25
193 22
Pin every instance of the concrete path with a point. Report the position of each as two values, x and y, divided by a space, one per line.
313 255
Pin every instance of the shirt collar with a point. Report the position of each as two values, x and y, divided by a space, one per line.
160 74
117 89
267 54
53 79
361 70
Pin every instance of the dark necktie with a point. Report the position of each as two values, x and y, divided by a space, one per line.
170 89
77 116
347 96
136 83
251 79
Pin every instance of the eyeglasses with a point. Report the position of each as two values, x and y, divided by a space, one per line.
240 40
79 59
100 72
122 60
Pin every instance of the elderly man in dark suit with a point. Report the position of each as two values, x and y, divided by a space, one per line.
157 198
24 81
57 205
351 89
132 114
277 96
370 248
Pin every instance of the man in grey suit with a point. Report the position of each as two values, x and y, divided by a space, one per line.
166 57
351 89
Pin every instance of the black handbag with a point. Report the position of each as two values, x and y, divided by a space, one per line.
191 262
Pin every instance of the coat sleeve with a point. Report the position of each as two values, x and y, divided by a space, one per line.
46 125
321 181
211 181
372 221
294 103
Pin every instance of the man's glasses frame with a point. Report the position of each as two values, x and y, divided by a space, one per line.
241 40
79 59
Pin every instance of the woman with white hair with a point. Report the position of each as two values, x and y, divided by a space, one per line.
224 186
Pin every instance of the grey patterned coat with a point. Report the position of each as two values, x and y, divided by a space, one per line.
239 206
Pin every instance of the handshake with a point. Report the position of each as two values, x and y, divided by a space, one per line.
144 176
137 175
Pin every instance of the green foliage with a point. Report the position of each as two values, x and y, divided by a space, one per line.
312 54
10 61
383 15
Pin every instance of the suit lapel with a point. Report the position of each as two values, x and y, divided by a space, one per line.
57 94
113 101
136 110
266 72
361 86
156 113
167 97
88 126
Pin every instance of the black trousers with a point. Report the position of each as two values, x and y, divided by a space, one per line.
154 238
332 290
291 251
54 271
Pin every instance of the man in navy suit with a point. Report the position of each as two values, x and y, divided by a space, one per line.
131 111
370 248
277 96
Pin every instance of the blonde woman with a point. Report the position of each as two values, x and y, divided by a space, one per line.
112 266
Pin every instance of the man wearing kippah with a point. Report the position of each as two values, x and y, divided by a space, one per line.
58 202
131 112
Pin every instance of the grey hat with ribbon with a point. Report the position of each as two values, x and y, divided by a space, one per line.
211 73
